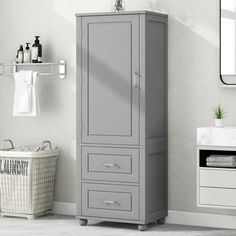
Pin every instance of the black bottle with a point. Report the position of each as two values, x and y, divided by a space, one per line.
37 51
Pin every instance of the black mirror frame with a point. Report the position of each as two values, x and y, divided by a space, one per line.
221 78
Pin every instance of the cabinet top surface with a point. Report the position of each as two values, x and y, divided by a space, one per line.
217 128
212 136
121 13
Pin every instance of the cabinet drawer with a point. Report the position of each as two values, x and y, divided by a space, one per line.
218 197
110 164
113 201
218 178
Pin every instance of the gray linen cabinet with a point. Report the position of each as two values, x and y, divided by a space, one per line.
122 117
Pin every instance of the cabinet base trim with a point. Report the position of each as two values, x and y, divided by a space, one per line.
201 219
64 208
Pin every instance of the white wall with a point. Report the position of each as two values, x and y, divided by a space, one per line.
194 86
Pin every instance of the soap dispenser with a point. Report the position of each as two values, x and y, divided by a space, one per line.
37 51
27 54
20 54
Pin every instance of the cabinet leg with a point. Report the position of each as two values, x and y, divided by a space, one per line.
83 222
142 227
161 221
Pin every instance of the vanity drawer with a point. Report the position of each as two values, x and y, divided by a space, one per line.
218 178
218 196
113 201
110 164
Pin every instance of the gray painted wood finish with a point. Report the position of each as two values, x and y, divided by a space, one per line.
110 164
110 58
113 201
121 13
122 116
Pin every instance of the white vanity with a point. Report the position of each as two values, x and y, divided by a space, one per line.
216 186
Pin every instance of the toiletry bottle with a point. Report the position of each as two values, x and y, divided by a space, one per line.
21 54
37 51
40 58
27 54
17 56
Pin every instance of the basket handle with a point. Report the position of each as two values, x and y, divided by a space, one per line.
7 141
46 144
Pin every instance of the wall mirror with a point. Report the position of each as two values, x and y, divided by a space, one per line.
228 42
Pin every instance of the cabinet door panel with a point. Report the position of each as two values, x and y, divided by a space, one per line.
110 58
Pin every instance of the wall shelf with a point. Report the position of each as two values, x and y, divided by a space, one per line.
57 69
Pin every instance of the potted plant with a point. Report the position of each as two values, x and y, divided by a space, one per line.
219 114
119 5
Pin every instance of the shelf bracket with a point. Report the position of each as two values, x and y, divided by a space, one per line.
62 69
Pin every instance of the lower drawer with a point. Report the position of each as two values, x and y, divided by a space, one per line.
113 201
218 197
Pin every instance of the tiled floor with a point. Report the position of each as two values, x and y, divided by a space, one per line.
68 226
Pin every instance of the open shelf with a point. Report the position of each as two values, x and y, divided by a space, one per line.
203 154
57 69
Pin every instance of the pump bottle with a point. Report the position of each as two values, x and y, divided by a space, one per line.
37 51
27 54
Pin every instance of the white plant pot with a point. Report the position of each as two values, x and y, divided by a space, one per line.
219 123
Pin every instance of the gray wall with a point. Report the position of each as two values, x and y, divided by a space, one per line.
194 85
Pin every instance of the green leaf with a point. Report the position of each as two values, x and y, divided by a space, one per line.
219 113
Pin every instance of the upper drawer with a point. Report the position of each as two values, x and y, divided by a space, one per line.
218 178
110 164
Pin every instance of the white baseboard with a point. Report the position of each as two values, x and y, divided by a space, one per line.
64 208
201 219
174 217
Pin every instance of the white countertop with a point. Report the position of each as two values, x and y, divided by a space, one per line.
214 136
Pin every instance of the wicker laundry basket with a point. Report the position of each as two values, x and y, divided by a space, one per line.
27 182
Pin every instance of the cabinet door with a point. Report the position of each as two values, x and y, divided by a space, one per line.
110 67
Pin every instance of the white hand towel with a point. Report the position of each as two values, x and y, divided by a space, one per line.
221 164
26 97
221 158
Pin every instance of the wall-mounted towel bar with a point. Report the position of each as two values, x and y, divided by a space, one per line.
44 69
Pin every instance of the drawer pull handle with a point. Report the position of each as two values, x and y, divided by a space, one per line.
110 165
109 202
136 79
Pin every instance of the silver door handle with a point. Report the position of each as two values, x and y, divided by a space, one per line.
109 202
109 164
136 77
